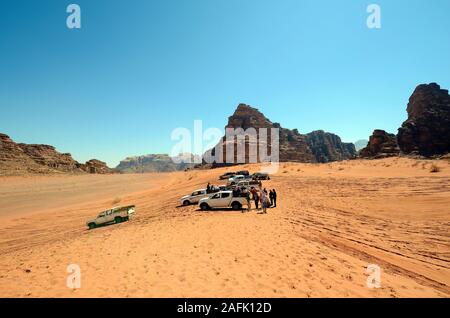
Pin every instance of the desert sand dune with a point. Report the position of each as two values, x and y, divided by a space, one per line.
332 221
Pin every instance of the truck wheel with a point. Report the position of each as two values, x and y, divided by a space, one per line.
186 203
92 226
236 206
204 206
117 219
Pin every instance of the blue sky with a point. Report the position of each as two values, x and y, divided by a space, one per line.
136 70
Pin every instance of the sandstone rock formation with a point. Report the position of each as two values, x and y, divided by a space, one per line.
293 146
156 163
381 145
20 159
96 167
328 147
47 156
427 130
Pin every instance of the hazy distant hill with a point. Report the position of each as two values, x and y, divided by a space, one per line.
360 144
154 163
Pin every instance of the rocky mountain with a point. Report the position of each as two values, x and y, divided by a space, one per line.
360 144
328 147
317 146
381 145
156 163
18 159
426 132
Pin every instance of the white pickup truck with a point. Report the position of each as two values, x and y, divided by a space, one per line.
194 197
222 200
236 179
114 215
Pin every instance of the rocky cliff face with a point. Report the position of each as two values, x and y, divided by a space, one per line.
19 159
328 147
155 163
47 156
427 130
381 145
293 146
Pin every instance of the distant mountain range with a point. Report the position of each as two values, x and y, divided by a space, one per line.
156 163
426 132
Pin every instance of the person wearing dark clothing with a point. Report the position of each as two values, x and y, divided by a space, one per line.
274 194
255 197
271 197
208 188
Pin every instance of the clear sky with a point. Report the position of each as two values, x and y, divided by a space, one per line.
138 69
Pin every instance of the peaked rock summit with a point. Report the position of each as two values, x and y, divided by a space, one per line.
427 130
293 146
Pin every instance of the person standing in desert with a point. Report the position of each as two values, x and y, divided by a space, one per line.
264 201
274 195
247 197
255 198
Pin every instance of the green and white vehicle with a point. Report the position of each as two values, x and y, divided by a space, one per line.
114 215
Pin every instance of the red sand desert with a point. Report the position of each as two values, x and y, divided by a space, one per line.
332 221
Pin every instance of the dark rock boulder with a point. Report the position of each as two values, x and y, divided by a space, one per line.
381 145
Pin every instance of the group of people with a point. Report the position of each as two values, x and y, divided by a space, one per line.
212 189
261 197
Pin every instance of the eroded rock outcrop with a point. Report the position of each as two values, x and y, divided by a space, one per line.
293 146
328 147
96 167
381 145
426 132
20 159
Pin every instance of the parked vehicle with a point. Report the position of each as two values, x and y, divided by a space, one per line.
261 176
247 184
222 200
243 173
236 179
194 197
227 175
114 215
